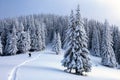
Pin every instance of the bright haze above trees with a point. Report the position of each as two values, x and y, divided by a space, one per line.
96 9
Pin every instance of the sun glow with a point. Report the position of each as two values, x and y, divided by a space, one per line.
113 5
112 10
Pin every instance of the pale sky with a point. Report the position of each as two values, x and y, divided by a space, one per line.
92 9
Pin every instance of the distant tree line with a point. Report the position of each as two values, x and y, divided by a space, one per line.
29 33
103 41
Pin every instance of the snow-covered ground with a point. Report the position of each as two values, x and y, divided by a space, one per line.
7 63
45 65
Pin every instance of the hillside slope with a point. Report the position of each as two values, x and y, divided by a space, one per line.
45 65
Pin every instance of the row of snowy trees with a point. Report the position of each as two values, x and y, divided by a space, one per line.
101 37
26 33
33 32
102 41
16 38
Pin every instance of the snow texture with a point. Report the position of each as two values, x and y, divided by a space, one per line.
46 66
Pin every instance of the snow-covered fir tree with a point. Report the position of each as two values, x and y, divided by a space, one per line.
20 29
68 31
31 27
24 41
115 39
43 34
11 42
108 55
58 39
76 56
35 35
99 27
28 40
56 43
86 25
4 36
1 51
37 41
116 43
95 43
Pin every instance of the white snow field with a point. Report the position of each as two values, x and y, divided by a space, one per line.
45 65
9 63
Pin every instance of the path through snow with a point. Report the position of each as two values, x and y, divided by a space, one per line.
13 73
48 67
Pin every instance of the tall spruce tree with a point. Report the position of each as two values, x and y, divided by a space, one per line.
11 43
54 41
87 29
116 43
43 34
24 42
57 43
68 33
1 51
76 56
28 40
95 43
20 29
38 37
108 56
